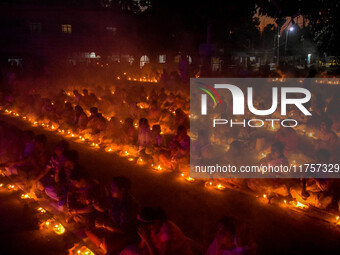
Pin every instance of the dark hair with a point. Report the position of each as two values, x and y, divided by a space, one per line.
328 122
323 155
78 108
278 146
128 121
143 121
63 144
121 182
78 175
181 129
156 128
40 139
94 110
227 224
150 214
29 133
72 155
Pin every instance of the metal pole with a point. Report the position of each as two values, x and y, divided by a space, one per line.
278 46
287 33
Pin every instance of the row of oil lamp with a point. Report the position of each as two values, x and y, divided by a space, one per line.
140 79
322 81
158 168
124 153
69 134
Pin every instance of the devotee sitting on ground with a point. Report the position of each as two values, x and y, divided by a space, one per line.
68 115
202 149
276 156
144 134
46 177
29 167
78 204
154 112
181 119
157 138
80 118
58 190
28 141
117 226
129 132
232 238
77 97
270 186
179 149
289 137
158 147
93 121
113 131
326 138
315 192
159 235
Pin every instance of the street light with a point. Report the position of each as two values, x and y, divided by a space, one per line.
287 33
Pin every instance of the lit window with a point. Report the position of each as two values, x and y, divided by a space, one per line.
35 27
112 29
131 59
162 59
66 28
143 60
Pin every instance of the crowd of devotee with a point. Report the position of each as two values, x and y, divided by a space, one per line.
151 122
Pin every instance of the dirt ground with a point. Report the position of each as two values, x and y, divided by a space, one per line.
196 209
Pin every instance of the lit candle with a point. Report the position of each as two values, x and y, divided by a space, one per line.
220 187
59 229
188 178
140 161
25 196
42 210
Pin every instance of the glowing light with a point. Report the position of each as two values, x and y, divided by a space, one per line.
25 196
59 229
11 187
157 168
84 251
46 224
124 153
188 178
41 210
140 161
300 205
108 149
220 187
131 159
262 155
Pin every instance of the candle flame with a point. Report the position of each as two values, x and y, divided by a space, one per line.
59 229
